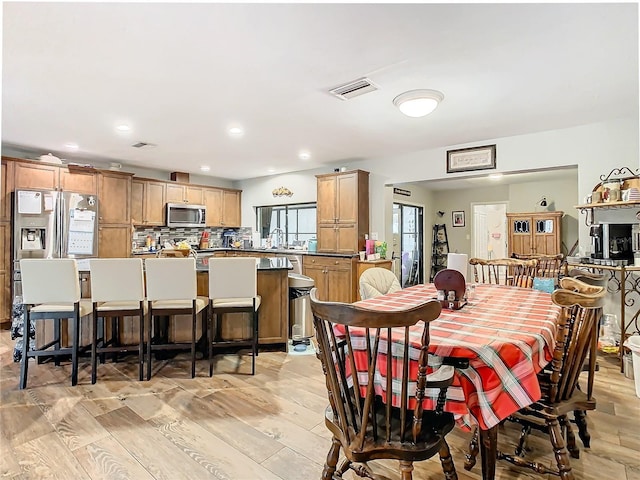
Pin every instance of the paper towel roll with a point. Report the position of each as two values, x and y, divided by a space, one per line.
459 262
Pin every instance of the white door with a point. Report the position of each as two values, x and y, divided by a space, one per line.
489 230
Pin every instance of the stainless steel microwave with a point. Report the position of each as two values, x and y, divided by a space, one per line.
186 215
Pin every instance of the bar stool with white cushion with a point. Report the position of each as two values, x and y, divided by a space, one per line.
51 290
172 290
117 291
233 288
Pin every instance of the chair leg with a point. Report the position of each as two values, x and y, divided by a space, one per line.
332 460
255 342
194 317
581 421
559 450
141 346
472 455
569 436
448 467
94 346
74 347
149 346
406 469
24 364
57 328
211 315
522 442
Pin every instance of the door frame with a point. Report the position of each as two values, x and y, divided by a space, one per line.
421 239
474 233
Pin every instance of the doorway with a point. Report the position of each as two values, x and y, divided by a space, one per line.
408 226
489 230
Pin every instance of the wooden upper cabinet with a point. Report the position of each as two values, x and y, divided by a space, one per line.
114 241
78 180
137 200
36 175
114 193
212 199
147 202
43 176
231 208
154 203
7 188
176 193
223 207
342 211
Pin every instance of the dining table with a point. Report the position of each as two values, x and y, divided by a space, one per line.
507 335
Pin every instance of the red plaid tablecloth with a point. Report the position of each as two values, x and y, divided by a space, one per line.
508 335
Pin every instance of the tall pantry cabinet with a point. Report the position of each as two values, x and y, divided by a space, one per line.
342 211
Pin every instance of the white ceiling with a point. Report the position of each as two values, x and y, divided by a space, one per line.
181 74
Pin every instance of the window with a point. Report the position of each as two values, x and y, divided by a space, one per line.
297 222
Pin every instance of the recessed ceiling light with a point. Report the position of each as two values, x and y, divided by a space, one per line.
271 170
71 146
418 103
304 155
495 176
205 168
123 128
236 131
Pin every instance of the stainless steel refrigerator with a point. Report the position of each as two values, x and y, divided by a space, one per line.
53 224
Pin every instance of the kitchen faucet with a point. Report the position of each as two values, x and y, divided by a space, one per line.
279 236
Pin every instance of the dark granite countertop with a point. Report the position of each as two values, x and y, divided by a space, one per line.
263 263
274 251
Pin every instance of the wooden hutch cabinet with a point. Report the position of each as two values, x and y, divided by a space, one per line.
342 211
538 233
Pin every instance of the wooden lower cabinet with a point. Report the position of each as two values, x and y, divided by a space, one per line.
333 276
6 299
114 241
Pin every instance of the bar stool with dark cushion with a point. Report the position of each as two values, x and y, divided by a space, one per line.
51 290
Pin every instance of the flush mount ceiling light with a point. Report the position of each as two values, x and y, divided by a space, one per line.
304 155
236 132
205 168
123 128
418 103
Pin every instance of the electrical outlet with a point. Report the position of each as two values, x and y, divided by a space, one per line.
374 235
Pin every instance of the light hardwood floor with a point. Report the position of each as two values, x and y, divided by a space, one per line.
235 426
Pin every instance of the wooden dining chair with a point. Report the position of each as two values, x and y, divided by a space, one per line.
548 266
504 271
365 424
575 338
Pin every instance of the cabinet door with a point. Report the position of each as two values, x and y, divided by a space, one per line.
347 199
114 194
114 241
346 238
7 188
339 288
193 195
5 273
174 193
273 287
38 176
327 237
154 203
317 272
212 199
520 234
78 181
546 236
231 213
137 201
326 201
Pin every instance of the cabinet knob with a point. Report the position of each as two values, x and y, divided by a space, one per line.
336 262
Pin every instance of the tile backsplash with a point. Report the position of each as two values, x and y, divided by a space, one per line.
190 235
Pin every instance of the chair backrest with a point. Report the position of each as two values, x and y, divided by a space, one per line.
378 281
234 277
363 420
549 266
50 280
116 279
575 337
171 278
597 279
504 271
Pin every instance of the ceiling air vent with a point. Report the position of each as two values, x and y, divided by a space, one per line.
143 144
354 89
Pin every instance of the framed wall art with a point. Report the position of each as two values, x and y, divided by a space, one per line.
458 218
469 159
